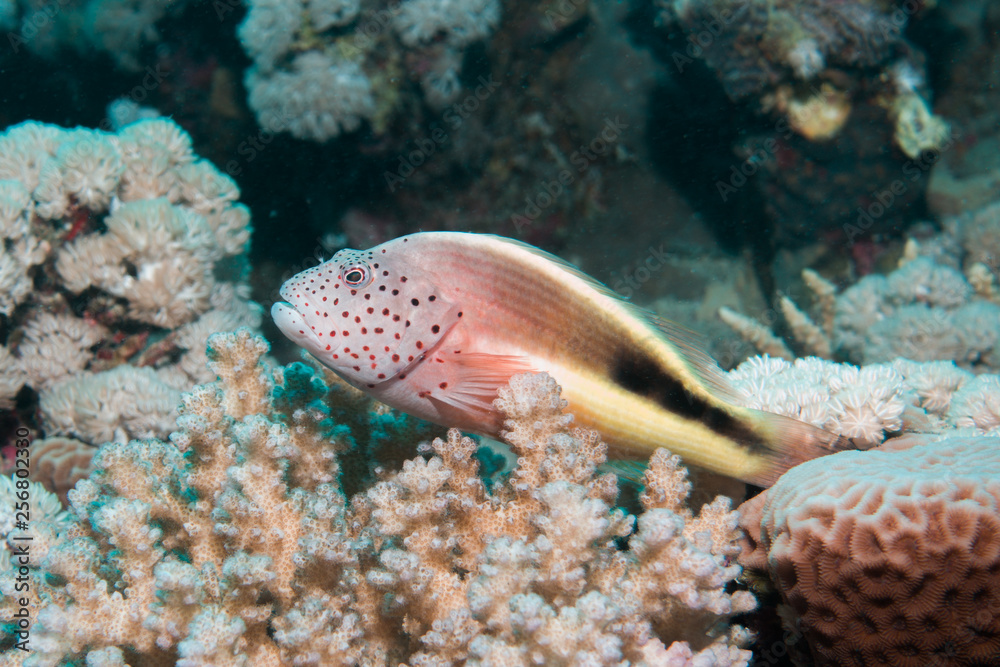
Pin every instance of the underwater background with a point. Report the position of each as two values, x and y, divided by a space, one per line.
811 188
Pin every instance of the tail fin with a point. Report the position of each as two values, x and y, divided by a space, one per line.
787 442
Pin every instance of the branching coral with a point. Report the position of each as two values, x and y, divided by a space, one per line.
122 250
258 557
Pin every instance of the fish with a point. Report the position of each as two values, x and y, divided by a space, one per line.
435 323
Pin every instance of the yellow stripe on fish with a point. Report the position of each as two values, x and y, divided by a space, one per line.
434 323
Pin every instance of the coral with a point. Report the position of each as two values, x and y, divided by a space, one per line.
317 98
42 513
941 303
322 67
873 402
458 21
125 251
769 49
124 402
888 557
58 463
233 543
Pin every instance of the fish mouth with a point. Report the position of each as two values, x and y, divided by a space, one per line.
291 323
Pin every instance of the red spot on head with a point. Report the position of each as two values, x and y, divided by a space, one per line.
381 376
420 345
344 314
443 385
395 357
357 319
378 329
345 333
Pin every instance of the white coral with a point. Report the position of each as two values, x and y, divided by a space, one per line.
56 347
116 405
458 21
318 98
268 30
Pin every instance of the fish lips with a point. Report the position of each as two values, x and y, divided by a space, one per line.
292 323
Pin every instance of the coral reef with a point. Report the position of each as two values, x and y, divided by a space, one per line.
771 49
845 95
876 401
324 66
888 557
123 253
941 303
233 543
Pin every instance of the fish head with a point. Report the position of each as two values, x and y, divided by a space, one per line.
366 314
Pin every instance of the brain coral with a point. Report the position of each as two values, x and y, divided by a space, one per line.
889 557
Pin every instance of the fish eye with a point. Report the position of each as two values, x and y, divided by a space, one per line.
357 275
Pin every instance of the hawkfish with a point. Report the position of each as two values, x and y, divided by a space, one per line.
434 323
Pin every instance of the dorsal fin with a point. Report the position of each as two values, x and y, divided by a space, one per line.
686 343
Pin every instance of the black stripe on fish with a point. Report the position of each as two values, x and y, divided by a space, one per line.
643 376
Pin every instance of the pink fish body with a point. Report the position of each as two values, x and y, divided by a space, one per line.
434 323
